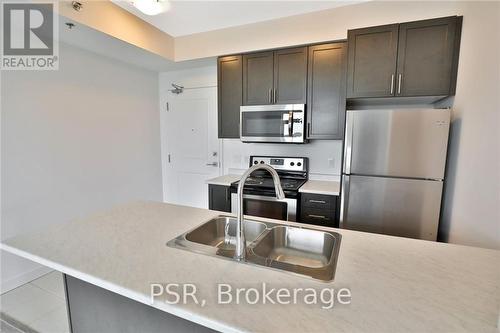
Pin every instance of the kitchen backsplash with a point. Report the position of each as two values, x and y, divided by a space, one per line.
324 155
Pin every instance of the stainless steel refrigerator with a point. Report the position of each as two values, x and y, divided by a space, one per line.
393 171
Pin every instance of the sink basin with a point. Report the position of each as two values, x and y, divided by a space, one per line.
297 246
221 232
297 250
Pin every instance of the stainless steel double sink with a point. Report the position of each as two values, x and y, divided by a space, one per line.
297 250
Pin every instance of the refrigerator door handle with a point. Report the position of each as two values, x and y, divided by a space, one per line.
344 200
348 142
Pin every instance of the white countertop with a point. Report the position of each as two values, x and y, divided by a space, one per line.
225 180
321 187
397 284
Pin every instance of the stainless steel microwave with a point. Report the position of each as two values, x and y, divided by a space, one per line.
282 123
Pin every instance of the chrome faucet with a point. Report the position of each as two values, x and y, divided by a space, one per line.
241 246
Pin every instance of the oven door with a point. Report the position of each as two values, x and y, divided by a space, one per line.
266 206
272 123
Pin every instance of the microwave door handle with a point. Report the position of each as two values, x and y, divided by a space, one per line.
290 124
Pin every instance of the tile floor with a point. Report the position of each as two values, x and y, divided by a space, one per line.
38 306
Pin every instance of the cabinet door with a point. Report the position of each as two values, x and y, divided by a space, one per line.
290 76
219 198
257 78
230 95
318 209
426 57
372 61
326 91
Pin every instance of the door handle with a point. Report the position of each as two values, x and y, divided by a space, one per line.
212 164
344 199
400 79
270 95
274 96
290 124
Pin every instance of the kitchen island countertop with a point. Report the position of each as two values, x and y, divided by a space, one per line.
397 284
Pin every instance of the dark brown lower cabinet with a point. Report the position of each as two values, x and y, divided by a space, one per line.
319 209
219 198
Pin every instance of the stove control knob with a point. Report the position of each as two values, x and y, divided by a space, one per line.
299 164
292 163
261 162
255 162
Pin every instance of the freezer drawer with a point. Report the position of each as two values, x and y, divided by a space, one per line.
409 143
391 206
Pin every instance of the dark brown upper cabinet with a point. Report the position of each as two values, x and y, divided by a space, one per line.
290 76
404 60
275 77
427 56
258 78
372 61
230 95
327 70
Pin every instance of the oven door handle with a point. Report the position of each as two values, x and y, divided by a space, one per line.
290 202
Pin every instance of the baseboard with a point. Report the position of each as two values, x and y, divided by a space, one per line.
23 278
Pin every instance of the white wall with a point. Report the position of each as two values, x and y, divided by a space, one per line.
74 141
471 212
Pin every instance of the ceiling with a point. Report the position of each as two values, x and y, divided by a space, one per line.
92 40
189 17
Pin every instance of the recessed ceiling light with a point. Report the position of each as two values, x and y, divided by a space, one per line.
151 7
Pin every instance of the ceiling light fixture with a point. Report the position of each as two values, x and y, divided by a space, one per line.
151 7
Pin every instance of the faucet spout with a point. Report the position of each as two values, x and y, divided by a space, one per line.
240 252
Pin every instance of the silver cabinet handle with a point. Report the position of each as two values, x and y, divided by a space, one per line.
270 95
318 201
274 96
400 79
317 216
392 84
212 164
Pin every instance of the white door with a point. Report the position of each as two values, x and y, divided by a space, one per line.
191 152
